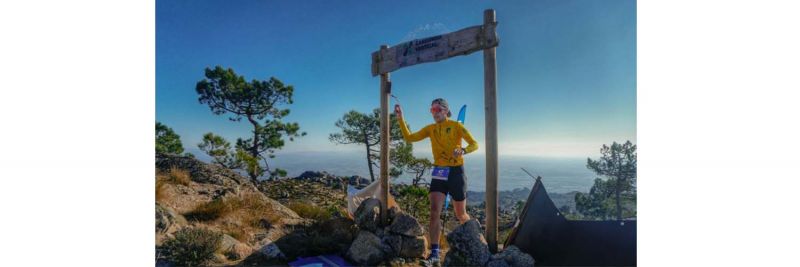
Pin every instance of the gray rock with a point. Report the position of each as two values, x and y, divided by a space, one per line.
311 175
164 263
339 233
498 263
287 216
367 216
227 243
406 225
354 180
358 180
163 219
455 258
413 247
167 220
199 171
392 244
468 241
340 228
233 249
514 257
397 262
269 250
366 249
393 212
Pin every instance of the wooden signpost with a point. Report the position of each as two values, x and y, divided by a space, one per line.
432 49
435 48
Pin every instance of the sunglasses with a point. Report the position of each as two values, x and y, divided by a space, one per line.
436 109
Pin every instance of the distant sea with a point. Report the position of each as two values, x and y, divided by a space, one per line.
560 175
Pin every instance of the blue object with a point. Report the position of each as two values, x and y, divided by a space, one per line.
320 261
435 249
461 114
446 201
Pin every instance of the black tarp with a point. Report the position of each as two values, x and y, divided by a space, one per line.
552 240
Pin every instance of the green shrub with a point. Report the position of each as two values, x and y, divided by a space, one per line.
414 201
192 247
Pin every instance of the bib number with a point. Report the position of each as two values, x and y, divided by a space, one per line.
440 173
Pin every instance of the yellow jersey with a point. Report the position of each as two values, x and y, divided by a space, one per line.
445 137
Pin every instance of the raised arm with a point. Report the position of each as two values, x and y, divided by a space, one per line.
407 135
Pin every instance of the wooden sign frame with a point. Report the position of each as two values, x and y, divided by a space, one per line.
432 49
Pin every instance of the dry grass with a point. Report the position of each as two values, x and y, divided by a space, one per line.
248 208
310 211
212 210
257 213
161 193
179 176
173 176
236 232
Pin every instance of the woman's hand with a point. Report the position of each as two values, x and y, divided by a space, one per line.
398 111
458 152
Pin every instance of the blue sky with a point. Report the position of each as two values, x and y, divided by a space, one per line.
566 69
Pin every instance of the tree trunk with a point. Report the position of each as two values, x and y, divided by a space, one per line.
254 148
369 160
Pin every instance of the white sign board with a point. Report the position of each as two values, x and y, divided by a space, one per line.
434 48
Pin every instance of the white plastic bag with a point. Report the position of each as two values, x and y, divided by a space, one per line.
355 196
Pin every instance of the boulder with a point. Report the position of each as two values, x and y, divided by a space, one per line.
358 180
366 249
167 220
514 257
310 175
393 212
199 171
233 249
367 216
227 242
163 219
392 244
269 250
341 228
286 215
455 258
239 251
498 263
469 243
338 232
406 225
397 262
413 247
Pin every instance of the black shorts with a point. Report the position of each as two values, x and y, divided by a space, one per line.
456 184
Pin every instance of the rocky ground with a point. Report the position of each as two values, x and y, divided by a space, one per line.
192 195
274 222
328 193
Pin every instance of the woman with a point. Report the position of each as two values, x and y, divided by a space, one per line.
447 175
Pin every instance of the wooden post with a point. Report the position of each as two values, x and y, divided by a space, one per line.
490 109
384 96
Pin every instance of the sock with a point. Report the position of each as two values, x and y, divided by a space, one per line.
435 249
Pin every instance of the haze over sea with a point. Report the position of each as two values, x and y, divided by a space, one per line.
560 175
